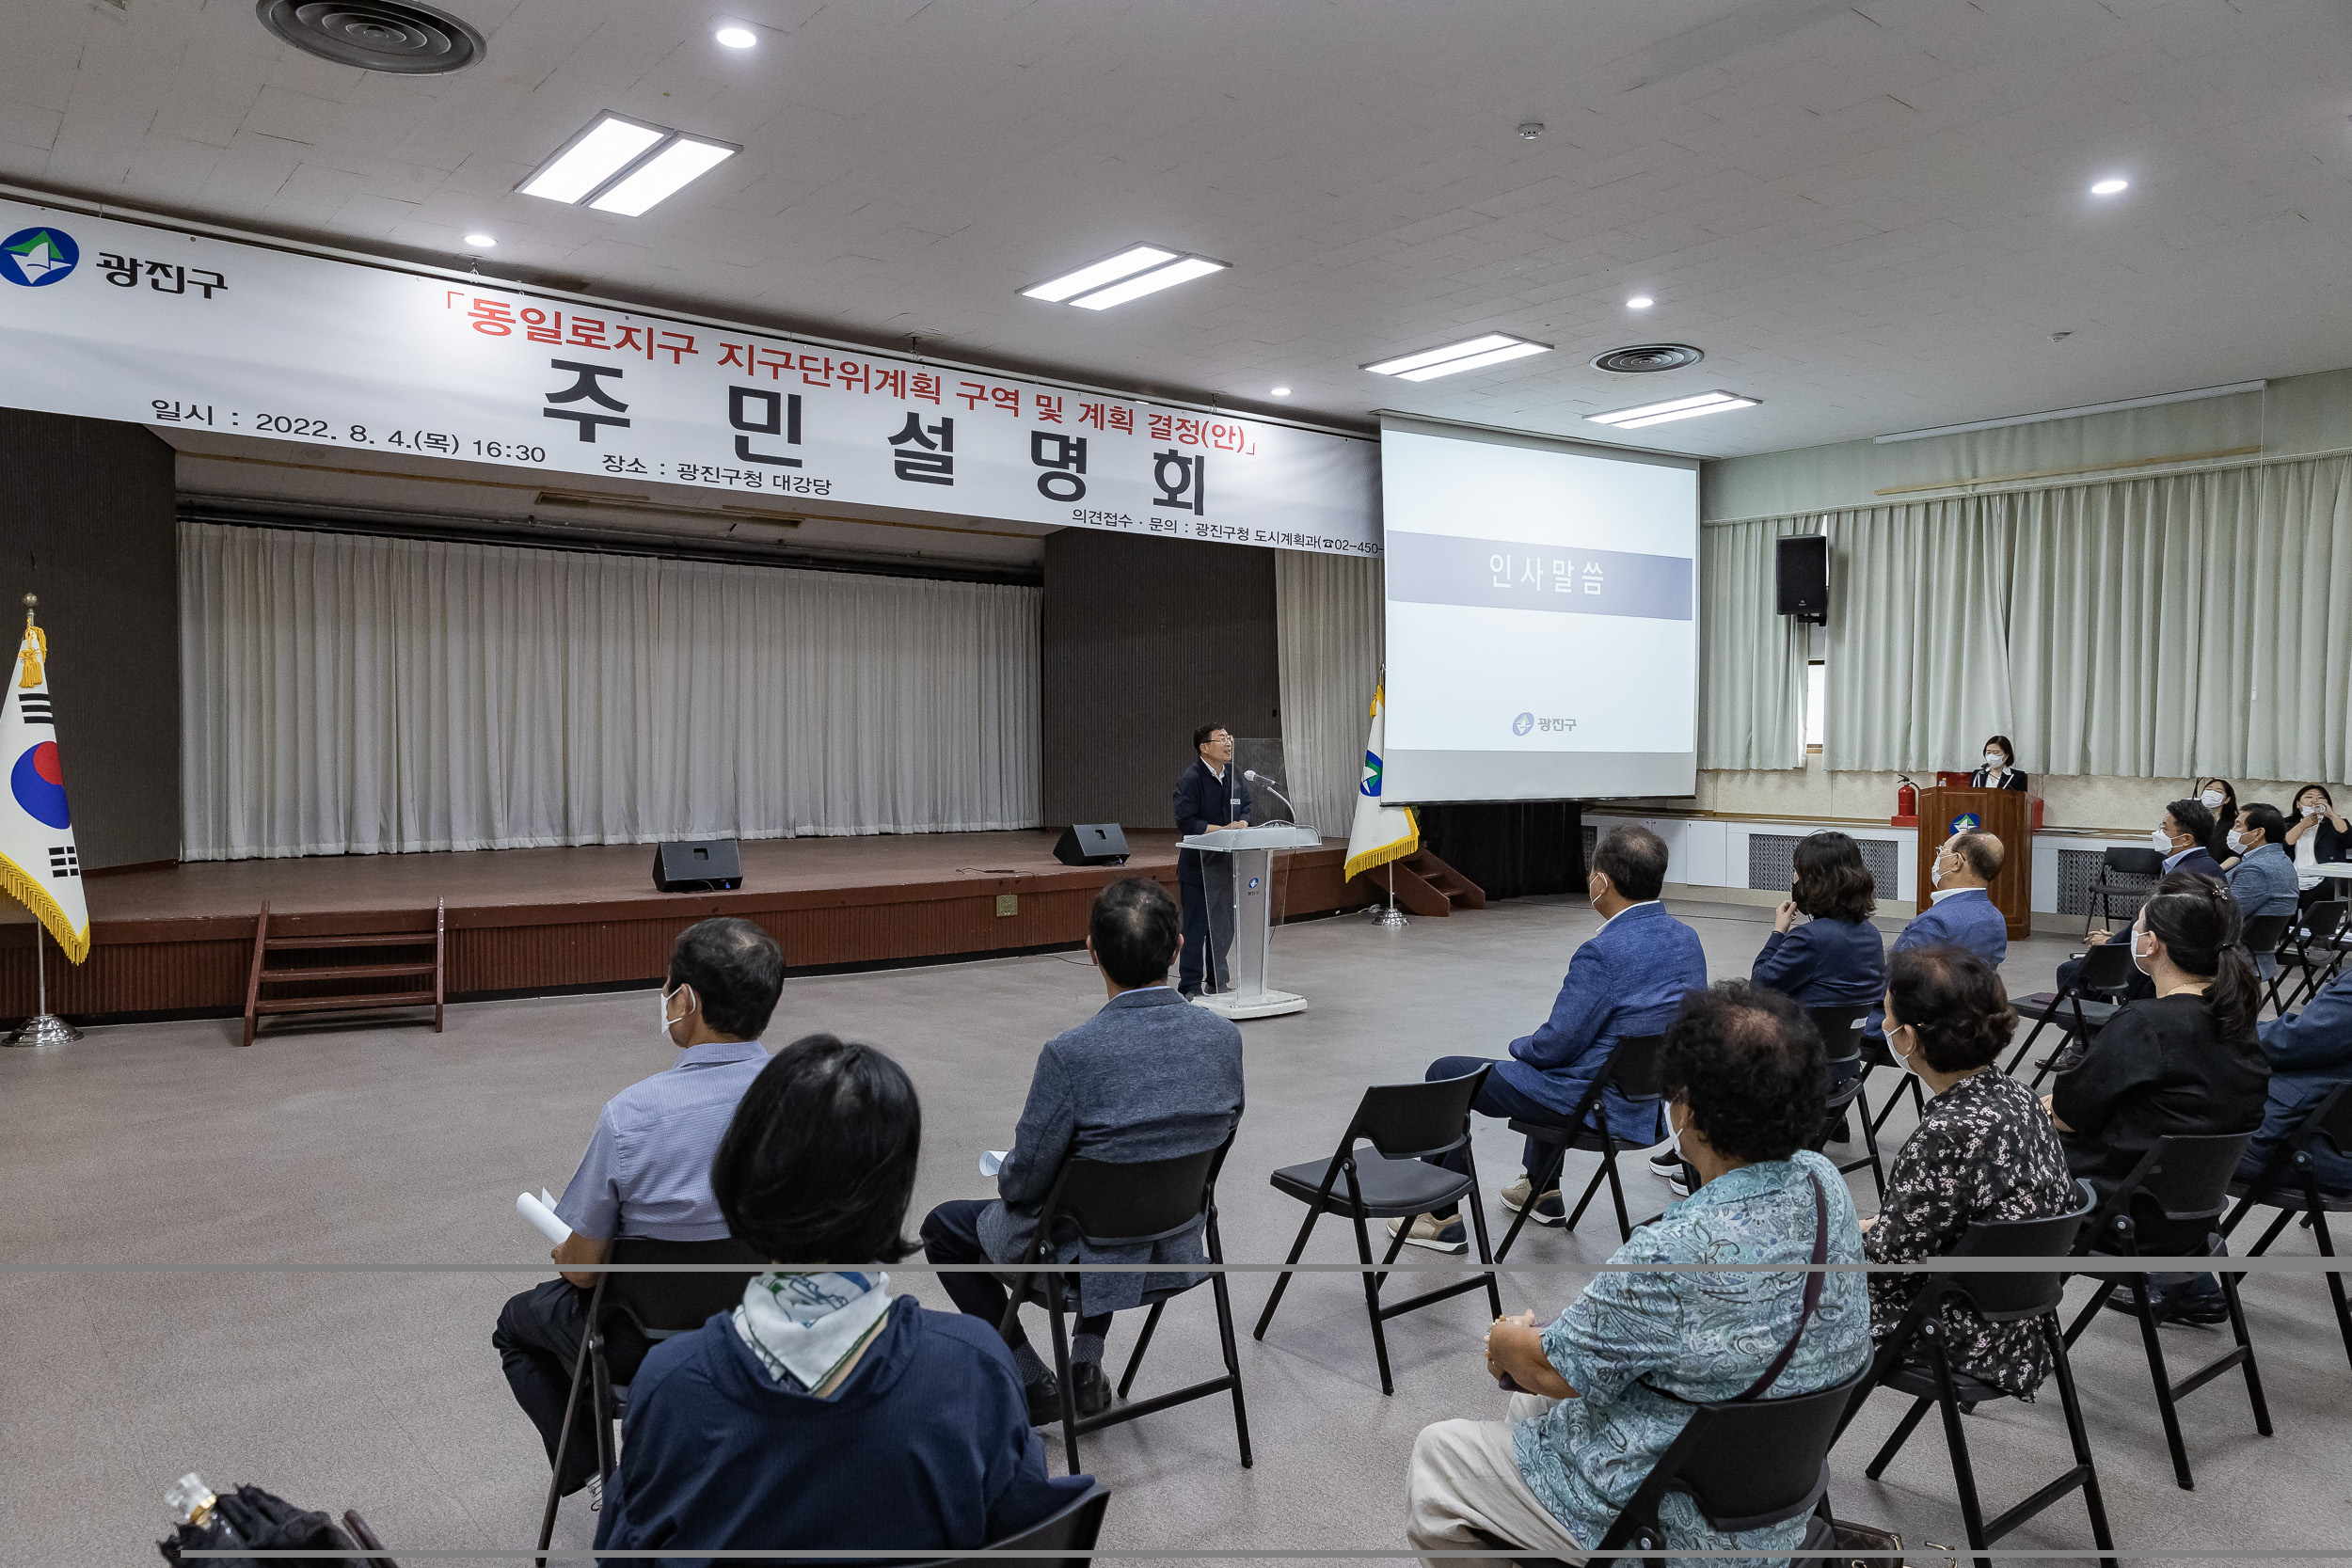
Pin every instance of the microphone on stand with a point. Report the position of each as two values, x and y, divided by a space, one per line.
1271 787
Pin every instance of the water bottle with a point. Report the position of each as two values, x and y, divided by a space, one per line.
194 1507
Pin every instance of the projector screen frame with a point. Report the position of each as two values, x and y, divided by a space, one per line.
1605 775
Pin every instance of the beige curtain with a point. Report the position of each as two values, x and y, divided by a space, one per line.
1328 631
1752 658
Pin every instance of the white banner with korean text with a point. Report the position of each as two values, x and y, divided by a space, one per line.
113 320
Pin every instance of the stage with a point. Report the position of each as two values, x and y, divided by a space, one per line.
177 940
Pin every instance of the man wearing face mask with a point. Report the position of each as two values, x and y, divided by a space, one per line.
1960 913
2261 879
2180 838
647 1170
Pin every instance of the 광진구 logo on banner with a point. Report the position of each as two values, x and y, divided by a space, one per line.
32 257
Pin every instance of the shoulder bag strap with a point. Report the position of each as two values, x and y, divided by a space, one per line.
1812 1294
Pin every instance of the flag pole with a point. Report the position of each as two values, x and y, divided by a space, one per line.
43 1027
1390 916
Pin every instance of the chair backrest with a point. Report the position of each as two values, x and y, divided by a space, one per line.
1134 1201
2010 1297
1746 1463
1837 1031
1405 1121
667 1304
1636 1066
2330 1120
1834 1111
2107 966
2186 1175
2134 863
2265 933
1060 1540
2326 920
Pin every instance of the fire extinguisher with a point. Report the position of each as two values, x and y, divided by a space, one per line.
1907 799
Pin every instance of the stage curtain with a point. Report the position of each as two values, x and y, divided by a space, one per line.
1752 658
2187 625
345 695
1329 625
1918 637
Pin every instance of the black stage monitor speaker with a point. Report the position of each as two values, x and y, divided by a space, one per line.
1801 574
698 865
1091 843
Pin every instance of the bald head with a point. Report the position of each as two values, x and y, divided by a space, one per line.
1972 859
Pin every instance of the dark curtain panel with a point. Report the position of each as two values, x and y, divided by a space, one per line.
1511 848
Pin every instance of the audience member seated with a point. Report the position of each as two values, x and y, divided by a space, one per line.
2318 835
1149 1077
2185 1061
1836 959
2309 1053
2000 770
2220 797
2261 879
1609 1384
646 1172
821 1413
1984 1151
1959 911
2181 840
1625 979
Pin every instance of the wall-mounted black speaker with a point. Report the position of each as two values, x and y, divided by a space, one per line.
1091 843
698 865
1801 576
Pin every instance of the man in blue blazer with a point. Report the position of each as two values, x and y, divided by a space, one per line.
1209 795
1961 913
2311 1052
1628 979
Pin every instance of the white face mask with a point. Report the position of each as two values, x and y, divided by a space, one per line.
1902 1057
1593 897
661 1005
2213 799
2161 841
1935 872
2139 959
1994 762
2238 841
1673 1135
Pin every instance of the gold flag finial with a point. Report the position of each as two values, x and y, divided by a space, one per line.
35 652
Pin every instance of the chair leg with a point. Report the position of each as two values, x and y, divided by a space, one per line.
601 1389
2091 1310
1539 1182
1372 1304
2032 1035
1061 1373
1143 1340
1956 1444
1232 1362
1616 1186
1901 1434
1478 1227
1591 1188
2254 1373
2069 1402
562 1446
2328 1248
1870 1142
1388 1259
1282 1280
2145 1311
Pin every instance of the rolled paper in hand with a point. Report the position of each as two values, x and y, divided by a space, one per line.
542 1218
993 1160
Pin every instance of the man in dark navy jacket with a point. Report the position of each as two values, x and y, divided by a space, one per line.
1210 795
2181 840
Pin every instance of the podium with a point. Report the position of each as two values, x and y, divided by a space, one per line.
1999 812
1247 919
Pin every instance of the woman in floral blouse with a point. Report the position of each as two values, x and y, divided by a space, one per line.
1984 1151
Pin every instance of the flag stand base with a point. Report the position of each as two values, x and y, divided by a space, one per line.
1391 917
44 1029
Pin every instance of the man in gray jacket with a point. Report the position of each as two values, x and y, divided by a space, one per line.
1149 1077
2261 879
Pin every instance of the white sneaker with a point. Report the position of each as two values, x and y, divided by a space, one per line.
1427 1232
1547 1209
1666 1164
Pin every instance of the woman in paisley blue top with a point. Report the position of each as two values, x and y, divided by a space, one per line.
1609 1384
1985 1150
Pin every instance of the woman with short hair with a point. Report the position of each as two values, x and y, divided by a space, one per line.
1836 959
1984 1151
822 1412
2220 797
1999 770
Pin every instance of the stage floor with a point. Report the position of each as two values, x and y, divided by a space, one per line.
178 939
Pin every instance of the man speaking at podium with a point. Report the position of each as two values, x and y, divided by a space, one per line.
1210 795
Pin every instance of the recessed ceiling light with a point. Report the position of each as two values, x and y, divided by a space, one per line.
593 157
1182 270
1109 270
2109 187
1138 270
737 38
683 160
1472 354
1677 408
481 241
1282 391
1639 302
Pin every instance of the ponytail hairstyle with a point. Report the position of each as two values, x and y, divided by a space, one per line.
2198 922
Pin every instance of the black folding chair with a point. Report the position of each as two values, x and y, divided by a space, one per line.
2313 950
366 1539
660 1306
2077 1010
1063 1539
1746 1463
1130 1204
1402 1122
2184 1179
2127 873
1633 1068
1999 1298
2265 934
2291 1185
1842 1044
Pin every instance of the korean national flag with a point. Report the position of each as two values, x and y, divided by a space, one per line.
38 864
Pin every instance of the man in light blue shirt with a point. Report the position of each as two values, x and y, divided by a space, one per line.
2261 879
646 1172
1609 1384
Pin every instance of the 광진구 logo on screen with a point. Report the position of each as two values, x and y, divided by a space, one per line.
32 257
1523 723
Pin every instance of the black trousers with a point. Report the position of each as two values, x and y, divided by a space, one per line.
951 1234
1189 964
538 1339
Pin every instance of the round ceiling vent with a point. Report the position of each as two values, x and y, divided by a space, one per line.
397 35
1647 358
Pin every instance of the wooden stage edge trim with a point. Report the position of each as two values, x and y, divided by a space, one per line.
195 966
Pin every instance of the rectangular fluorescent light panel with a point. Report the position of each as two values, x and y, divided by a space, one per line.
1476 361
1182 270
1428 357
685 159
1124 264
1677 408
593 157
